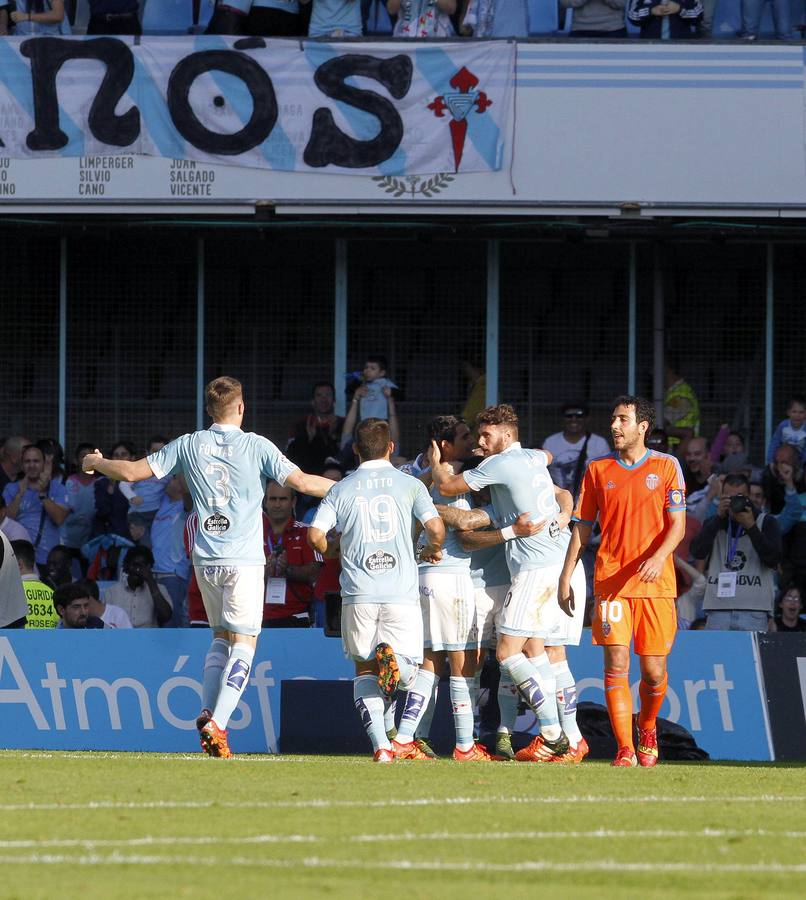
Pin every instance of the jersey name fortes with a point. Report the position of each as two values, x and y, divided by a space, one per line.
226 471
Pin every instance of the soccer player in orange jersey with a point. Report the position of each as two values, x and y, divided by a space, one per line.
639 497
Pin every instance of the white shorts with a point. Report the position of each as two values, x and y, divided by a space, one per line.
489 603
232 597
568 631
365 625
531 608
449 610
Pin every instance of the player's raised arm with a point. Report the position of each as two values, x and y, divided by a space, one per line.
448 484
313 485
117 469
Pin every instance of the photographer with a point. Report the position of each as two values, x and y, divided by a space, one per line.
743 549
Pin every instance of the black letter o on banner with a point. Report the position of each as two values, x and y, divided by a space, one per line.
258 83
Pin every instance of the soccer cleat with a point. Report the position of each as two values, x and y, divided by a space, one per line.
382 755
388 672
503 746
646 750
477 753
409 751
579 752
214 741
203 718
423 744
541 750
625 758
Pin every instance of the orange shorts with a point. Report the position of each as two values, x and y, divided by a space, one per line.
650 621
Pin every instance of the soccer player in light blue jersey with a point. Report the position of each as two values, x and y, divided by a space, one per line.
226 471
480 534
374 510
448 606
519 482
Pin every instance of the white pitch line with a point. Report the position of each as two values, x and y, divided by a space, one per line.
605 865
383 804
263 839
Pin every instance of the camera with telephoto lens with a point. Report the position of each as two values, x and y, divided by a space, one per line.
739 503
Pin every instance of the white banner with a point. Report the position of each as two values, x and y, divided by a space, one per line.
303 106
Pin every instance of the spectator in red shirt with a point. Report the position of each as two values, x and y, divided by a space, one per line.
292 567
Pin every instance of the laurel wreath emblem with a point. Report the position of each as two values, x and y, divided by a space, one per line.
413 185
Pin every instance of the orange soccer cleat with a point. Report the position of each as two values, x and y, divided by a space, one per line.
214 741
411 750
477 753
388 671
382 755
579 752
646 749
625 758
541 750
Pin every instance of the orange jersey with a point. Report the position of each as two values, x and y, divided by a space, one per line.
631 503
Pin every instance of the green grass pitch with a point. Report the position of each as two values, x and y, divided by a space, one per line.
109 825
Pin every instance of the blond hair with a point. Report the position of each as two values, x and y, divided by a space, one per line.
221 394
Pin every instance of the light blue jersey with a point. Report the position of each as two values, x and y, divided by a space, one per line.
226 471
454 557
488 567
374 508
520 482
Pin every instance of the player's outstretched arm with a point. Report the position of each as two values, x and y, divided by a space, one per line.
117 469
521 527
448 484
313 485
435 533
463 519
579 541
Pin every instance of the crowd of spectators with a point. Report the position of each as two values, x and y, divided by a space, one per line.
124 550
653 19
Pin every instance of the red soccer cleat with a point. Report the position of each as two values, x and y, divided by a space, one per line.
382 755
625 758
388 672
477 753
541 750
646 749
411 750
214 741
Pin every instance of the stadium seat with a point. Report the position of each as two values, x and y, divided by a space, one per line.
543 17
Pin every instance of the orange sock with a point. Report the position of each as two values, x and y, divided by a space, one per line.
619 706
651 701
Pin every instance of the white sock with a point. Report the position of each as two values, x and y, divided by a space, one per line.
234 679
